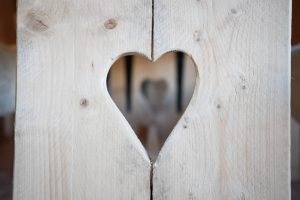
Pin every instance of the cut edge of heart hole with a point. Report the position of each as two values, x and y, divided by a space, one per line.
153 96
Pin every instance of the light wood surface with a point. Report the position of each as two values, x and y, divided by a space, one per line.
71 140
233 141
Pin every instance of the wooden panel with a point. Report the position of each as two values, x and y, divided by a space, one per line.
233 140
71 140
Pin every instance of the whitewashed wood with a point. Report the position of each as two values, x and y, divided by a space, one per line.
71 140
233 141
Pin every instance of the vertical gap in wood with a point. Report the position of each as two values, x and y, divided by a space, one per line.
180 61
152 57
152 31
151 181
128 65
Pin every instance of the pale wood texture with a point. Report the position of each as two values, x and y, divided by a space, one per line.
71 140
233 140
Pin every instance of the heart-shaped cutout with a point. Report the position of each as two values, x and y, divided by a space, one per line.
152 95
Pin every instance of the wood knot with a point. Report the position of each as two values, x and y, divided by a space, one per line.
110 23
243 196
233 11
84 102
197 36
37 22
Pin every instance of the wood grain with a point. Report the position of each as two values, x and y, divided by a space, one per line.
236 141
233 140
71 140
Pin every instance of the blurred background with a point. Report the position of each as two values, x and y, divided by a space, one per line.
160 96
7 94
152 96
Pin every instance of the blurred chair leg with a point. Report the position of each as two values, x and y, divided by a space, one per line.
8 125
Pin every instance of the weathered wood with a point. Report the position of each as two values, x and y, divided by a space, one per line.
71 140
233 140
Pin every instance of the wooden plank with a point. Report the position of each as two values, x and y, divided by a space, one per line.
71 140
233 140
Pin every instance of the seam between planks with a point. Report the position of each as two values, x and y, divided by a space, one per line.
152 32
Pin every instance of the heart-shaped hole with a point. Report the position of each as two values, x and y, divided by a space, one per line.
152 95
